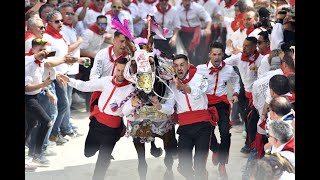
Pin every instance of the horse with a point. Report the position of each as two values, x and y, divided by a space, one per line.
146 123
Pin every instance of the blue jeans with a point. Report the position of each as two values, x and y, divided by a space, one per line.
66 126
51 110
63 109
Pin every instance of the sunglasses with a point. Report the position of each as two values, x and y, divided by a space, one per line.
58 21
70 13
116 7
42 27
102 24
268 136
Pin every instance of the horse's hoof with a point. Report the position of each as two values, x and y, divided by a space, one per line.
156 152
168 175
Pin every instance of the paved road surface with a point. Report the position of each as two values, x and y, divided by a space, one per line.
71 164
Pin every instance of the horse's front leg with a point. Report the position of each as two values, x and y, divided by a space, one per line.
170 146
142 166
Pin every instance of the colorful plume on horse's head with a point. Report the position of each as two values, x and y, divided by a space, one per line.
122 28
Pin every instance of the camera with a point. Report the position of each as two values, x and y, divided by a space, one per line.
262 23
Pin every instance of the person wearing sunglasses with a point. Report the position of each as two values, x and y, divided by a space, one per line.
115 8
35 29
93 39
281 138
90 12
264 49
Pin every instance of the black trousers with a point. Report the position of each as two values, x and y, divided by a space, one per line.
100 138
85 76
186 38
196 135
36 116
164 46
253 118
224 130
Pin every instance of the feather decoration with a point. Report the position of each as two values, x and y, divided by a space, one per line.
155 27
122 28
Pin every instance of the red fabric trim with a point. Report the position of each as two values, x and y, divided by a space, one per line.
192 71
110 96
196 36
110 12
67 24
28 35
54 33
94 7
191 117
125 53
95 29
231 3
148 2
213 99
163 11
289 146
135 2
244 58
249 96
250 30
259 145
95 95
124 83
106 119
214 115
188 102
238 23
267 51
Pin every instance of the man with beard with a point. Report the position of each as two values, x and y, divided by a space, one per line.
195 122
104 127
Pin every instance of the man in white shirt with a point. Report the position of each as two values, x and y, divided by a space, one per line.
195 121
218 75
190 14
166 16
105 125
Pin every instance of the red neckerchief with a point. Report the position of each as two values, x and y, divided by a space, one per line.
231 3
94 7
28 35
54 33
256 55
67 24
192 71
126 9
292 98
288 72
30 53
250 30
124 83
135 1
213 69
125 53
148 2
110 12
289 146
238 22
95 29
161 10
266 51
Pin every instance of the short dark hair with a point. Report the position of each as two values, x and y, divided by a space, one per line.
265 35
279 84
179 56
292 82
288 59
45 6
280 105
122 61
253 40
100 17
217 45
242 5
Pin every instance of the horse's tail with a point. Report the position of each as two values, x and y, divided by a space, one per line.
156 152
